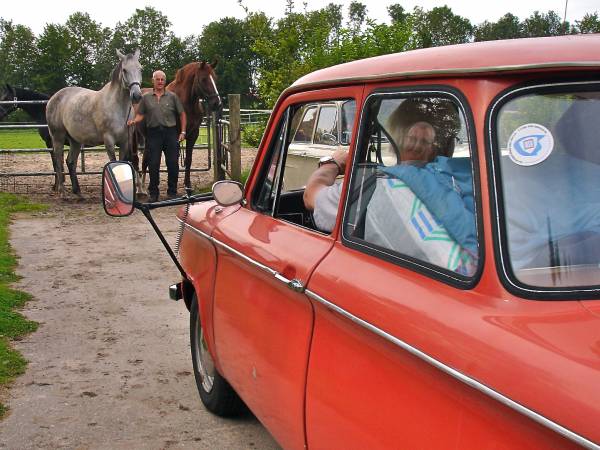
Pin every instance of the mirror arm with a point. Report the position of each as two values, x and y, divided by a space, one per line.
175 202
146 210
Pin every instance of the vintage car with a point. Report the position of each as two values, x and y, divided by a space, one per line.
456 303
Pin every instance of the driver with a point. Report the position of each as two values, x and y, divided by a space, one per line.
322 193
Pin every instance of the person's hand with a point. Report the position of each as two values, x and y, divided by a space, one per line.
181 136
340 157
130 123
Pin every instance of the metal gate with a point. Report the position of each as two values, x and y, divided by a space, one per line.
228 142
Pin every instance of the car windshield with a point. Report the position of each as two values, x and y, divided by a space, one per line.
550 189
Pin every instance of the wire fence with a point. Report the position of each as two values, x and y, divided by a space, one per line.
27 170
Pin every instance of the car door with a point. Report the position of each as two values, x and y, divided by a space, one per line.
405 336
263 321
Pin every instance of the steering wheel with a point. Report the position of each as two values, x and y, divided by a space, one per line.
329 137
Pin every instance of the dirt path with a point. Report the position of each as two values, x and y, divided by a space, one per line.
110 364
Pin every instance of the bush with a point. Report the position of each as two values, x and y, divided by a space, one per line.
252 134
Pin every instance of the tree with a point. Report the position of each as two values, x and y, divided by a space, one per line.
229 42
397 13
178 53
589 24
549 24
357 14
88 41
148 30
17 53
52 60
440 26
507 27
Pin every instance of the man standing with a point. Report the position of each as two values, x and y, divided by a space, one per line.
160 109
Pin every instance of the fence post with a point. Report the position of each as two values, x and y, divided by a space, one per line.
218 172
235 137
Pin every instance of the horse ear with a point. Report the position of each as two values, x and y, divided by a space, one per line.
120 55
214 64
137 53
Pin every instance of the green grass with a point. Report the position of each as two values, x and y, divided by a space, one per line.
31 139
12 324
21 139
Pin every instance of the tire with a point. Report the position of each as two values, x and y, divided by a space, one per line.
215 392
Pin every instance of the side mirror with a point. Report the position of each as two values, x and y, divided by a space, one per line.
228 192
118 188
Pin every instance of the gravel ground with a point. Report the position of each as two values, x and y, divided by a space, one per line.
110 365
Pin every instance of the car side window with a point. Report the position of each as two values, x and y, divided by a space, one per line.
304 123
326 131
348 113
291 162
412 193
265 199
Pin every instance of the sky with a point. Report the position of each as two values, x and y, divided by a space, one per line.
189 17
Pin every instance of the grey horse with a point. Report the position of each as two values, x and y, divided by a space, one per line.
87 117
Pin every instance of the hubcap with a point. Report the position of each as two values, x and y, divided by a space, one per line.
206 366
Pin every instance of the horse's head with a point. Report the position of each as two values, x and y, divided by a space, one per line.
129 73
205 85
7 94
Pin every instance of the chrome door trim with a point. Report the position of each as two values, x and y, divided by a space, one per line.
231 249
469 381
295 285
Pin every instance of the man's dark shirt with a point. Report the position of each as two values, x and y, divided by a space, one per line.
163 113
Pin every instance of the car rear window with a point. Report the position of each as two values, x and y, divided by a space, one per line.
549 187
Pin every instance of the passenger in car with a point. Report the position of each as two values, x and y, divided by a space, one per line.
322 193
426 212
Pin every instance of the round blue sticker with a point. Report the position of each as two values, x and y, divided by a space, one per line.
530 144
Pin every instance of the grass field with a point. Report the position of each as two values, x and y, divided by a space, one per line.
21 139
12 324
31 139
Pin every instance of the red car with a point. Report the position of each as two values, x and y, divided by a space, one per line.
455 304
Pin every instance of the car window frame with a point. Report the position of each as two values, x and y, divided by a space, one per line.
308 106
416 265
335 107
502 257
283 124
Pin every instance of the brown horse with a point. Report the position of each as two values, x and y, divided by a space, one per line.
193 82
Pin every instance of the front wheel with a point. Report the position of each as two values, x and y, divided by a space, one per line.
215 392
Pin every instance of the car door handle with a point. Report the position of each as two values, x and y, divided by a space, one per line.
295 284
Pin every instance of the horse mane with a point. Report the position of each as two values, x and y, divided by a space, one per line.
115 75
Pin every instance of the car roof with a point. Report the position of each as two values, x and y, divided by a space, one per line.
516 55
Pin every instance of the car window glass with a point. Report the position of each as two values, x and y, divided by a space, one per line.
326 131
412 193
265 199
305 120
303 158
348 114
549 171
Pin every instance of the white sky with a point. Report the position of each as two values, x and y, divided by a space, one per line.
189 17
